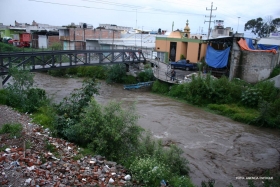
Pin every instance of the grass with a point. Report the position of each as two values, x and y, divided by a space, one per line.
235 112
83 152
44 117
275 72
14 129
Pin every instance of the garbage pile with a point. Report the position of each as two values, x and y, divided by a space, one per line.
33 165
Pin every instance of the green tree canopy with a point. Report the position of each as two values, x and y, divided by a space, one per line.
262 28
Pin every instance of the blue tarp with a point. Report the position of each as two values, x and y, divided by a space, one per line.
267 47
215 58
250 43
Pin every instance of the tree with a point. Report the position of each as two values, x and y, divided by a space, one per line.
262 28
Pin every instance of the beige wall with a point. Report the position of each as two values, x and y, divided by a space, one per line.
192 52
203 51
162 45
181 50
188 49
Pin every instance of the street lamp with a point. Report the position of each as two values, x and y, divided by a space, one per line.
238 24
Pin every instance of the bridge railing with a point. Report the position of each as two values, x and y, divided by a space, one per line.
147 51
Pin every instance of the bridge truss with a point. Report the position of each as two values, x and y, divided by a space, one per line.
47 60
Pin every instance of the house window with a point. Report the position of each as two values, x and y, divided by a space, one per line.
220 31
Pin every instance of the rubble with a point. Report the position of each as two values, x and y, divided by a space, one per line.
25 161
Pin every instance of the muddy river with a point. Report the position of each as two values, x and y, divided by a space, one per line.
216 147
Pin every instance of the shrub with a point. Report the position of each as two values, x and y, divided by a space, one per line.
68 111
36 97
147 66
199 90
226 91
178 91
182 57
146 75
149 171
116 73
45 116
170 156
267 90
109 131
251 97
58 72
275 72
92 71
129 79
160 87
20 93
180 181
4 96
72 71
8 48
267 116
13 129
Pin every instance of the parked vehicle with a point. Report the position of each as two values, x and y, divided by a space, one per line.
183 64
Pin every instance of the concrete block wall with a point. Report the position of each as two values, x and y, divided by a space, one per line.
52 40
256 66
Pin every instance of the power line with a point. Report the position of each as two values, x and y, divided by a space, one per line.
159 11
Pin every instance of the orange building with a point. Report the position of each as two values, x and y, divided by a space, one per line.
178 43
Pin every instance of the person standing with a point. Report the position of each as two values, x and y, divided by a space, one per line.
173 75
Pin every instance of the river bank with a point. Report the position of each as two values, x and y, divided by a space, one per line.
217 148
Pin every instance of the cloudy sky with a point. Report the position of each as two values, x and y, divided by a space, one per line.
150 14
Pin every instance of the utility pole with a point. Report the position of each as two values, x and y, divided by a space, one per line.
210 18
141 37
238 24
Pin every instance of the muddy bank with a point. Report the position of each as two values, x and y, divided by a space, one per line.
216 147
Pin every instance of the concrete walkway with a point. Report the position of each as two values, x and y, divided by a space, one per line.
162 71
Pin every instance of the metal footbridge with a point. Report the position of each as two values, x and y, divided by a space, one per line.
48 60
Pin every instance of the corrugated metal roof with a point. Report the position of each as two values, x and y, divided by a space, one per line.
270 41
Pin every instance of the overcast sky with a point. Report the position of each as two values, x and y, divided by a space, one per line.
150 14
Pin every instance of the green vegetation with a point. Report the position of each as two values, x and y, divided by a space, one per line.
13 129
111 130
182 57
275 71
257 104
146 75
20 94
8 48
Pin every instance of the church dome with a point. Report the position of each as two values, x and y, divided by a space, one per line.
175 34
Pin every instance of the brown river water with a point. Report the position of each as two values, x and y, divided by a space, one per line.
216 147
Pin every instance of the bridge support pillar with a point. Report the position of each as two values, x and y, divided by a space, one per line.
1 80
127 67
